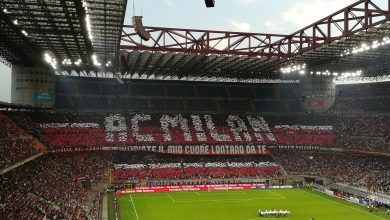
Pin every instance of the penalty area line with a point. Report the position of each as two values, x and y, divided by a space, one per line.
173 200
284 218
277 194
135 210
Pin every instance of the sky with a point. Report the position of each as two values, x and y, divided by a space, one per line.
259 16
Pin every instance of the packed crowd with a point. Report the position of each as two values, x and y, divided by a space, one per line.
370 97
14 144
51 186
197 170
364 90
365 132
377 181
350 105
141 165
370 133
369 171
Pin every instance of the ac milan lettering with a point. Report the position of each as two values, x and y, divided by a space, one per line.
135 128
214 133
200 134
167 121
258 124
237 125
116 123
184 134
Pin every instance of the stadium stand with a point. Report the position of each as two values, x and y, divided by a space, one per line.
189 169
15 145
372 98
369 171
51 186
170 96
347 132
363 132
356 132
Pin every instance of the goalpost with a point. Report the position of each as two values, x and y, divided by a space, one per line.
128 185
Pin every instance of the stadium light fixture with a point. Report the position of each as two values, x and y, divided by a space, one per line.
16 22
54 64
362 80
78 62
47 57
50 60
66 62
87 20
25 33
350 75
5 10
366 46
95 60
375 44
293 68
88 27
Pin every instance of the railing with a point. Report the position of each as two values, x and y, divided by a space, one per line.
377 196
20 163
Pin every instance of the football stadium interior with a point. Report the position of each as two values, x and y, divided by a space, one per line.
111 119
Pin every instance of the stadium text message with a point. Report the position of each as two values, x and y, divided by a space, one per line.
192 188
183 134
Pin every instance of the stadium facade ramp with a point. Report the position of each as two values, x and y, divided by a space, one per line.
38 38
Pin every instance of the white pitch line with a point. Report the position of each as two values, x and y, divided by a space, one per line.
261 198
277 194
284 218
173 200
356 209
135 210
225 200
217 193
215 200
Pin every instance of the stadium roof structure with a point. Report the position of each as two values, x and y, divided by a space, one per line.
68 33
353 38
85 35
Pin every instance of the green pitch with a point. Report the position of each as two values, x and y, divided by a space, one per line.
240 205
